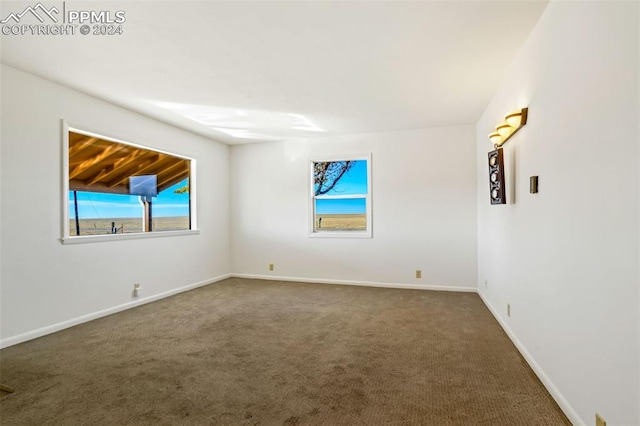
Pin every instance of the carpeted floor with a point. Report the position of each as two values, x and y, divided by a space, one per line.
248 352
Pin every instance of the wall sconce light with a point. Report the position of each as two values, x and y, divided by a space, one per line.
512 123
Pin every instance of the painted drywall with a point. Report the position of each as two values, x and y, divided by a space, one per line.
424 210
566 259
1 203
44 282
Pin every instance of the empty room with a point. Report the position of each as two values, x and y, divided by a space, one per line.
320 213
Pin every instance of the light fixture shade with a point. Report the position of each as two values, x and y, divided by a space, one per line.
504 129
513 119
495 138
517 118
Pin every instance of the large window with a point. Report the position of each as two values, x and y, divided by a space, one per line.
120 188
341 197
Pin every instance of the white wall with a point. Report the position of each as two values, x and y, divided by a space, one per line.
424 210
566 259
45 283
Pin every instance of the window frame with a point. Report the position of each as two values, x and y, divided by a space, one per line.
313 233
67 238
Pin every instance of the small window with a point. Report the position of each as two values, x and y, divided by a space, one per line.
120 188
341 197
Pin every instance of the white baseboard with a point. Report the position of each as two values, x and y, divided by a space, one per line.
546 381
14 340
358 283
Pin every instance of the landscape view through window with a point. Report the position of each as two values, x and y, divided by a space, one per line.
340 195
103 213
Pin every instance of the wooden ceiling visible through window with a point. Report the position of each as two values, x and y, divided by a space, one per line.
99 165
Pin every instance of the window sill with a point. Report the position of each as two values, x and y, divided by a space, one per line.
339 234
119 237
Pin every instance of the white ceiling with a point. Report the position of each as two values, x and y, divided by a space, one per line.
260 71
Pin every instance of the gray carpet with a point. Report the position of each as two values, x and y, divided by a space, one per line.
249 352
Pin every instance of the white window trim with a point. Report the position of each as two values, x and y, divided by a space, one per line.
81 239
312 205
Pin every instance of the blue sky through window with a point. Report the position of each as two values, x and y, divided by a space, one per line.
341 206
352 182
99 205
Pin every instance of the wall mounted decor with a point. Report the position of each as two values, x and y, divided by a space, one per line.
496 177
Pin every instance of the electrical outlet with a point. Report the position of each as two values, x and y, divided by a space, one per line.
418 273
136 289
508 310
271 266
600 421
485 284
